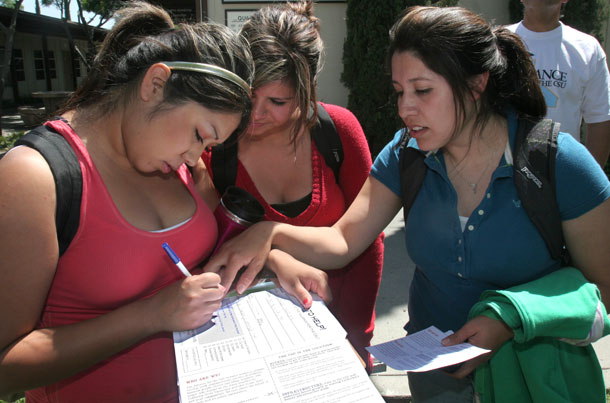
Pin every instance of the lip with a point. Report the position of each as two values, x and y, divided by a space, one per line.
418 133
256 125
166 168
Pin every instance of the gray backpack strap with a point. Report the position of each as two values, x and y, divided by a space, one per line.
534 174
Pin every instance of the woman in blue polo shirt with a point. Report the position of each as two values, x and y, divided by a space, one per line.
460 87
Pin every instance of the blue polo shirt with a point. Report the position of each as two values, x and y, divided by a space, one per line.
500 247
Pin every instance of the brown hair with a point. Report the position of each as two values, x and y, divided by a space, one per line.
286 45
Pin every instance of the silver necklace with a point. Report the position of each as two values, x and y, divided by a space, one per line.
474 186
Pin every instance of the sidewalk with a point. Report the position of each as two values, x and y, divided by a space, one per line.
391 308
391 311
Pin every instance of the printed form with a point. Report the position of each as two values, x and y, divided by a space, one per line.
264 347
423 351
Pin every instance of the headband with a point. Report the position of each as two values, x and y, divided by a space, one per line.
210 69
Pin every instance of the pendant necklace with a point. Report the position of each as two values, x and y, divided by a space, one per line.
472 185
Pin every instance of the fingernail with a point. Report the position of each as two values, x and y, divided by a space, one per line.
306 301
240 289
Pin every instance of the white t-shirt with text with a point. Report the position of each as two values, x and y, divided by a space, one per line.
573 73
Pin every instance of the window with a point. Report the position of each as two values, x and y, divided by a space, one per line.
51 60
18 65
76 64
39 64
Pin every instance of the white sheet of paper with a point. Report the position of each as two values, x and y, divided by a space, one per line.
423 351
264 347
318 372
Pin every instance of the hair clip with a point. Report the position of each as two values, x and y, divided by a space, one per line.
211 69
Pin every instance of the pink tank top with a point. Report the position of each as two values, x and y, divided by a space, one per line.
111 263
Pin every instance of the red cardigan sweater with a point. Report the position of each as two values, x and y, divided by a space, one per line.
354 287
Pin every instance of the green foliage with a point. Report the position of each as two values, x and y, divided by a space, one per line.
585 15
17 398
8 140
104 9
364 66
10 4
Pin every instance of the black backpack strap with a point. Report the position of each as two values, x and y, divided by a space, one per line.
224 164
68 179
324 135
534 174
327 140
412 172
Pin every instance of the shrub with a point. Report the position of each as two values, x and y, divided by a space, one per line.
364 66
8 140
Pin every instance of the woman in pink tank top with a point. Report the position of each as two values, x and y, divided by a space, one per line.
94 323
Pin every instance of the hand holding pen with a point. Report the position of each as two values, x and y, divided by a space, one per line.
172 255
261 283
187 304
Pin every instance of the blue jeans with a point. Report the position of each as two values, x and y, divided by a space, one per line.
438 387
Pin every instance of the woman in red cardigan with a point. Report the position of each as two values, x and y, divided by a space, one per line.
281 166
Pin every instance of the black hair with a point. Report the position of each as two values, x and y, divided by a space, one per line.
458 45
144 35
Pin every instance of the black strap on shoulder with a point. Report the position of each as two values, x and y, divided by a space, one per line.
412 172
328 142
68 179
224 164
324 135
534 174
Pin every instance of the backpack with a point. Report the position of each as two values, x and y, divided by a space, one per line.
534 175
68 179
324 135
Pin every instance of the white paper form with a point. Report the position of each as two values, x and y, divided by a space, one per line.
423 351
327 372
264 347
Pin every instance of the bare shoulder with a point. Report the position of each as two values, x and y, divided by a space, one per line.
24 174
28 240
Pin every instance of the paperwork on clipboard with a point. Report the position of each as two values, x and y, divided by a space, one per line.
264 347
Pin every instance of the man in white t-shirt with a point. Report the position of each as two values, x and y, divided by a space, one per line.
573 73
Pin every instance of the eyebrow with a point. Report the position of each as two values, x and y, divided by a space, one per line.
416 79
281 99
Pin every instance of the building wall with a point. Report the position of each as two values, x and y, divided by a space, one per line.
332 16
333 29
28 43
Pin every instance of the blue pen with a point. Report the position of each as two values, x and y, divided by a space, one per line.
172 255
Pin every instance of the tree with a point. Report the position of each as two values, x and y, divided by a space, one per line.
62 5
101 9
364 59
9 4
9 34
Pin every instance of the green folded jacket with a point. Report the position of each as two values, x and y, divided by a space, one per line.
536 366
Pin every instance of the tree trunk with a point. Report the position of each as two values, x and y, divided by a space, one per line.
8 52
